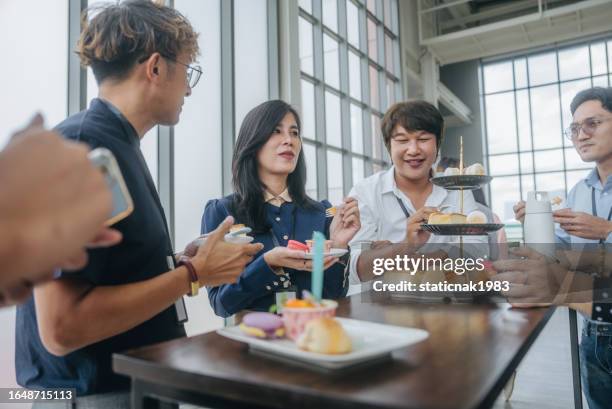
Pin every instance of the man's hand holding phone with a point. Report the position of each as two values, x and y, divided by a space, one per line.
52 203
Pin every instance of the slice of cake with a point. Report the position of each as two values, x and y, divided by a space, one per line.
446 218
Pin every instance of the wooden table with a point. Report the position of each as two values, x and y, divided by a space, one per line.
470 355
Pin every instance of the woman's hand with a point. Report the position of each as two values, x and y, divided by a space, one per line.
346 223
295 259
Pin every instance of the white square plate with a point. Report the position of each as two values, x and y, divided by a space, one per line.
370 341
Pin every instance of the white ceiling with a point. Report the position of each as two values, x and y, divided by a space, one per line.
567 22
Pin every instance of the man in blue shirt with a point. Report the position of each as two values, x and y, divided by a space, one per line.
585 223
126 296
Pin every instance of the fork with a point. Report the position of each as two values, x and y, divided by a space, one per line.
331 212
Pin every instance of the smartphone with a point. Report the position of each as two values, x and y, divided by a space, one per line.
123 205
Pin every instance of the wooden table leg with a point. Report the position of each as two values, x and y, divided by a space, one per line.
575 351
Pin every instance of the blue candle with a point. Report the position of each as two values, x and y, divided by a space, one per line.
317 265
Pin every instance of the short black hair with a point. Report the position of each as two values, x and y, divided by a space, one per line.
413 116
601 94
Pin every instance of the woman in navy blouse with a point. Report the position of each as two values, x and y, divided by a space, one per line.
269 179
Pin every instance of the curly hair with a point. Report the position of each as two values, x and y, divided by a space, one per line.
116 35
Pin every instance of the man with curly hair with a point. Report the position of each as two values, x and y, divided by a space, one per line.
129 295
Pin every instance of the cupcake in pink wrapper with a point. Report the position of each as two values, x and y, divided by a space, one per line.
295 318
327 245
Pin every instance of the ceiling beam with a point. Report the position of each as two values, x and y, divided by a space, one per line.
513 22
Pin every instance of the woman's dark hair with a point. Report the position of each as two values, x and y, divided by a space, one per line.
248 204
603 95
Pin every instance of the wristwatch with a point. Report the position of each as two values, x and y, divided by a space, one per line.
193 276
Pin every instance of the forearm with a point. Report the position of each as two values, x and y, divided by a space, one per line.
71 316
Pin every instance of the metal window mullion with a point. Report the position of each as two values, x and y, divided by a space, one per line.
516 126
319 91
165 169
590 71
227 93
345 107
533 179
165 174
273 50
365 90
381 60
561 115
397 52
483 108
607 63
77 74
288 53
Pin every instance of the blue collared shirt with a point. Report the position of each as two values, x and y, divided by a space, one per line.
257 284
579 199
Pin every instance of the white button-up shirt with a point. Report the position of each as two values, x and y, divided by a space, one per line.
382 218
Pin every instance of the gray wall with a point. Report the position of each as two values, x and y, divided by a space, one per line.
462 80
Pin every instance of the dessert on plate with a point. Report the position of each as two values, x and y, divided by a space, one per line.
324 335
263 325
446 218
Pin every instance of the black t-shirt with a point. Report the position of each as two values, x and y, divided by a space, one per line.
141 255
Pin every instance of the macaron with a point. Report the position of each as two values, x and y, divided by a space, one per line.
296 245
263 325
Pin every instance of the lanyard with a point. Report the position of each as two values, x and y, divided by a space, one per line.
594 207
403 206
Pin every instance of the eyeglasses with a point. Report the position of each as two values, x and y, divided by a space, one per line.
194 72
588 126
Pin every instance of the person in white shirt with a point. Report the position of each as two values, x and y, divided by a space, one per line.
394 203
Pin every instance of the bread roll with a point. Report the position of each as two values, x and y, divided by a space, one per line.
476 217
451 171
446 218
475 169
325 336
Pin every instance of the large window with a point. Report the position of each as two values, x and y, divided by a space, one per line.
34 63
526 103
350 70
